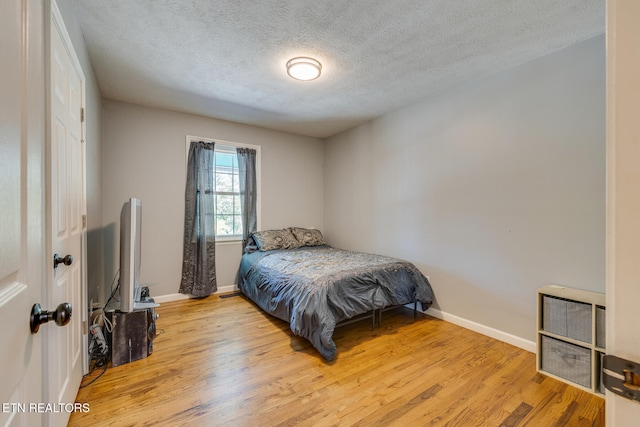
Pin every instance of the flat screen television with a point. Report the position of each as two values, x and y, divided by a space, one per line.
130 256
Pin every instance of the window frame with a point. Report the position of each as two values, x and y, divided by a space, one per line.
231 144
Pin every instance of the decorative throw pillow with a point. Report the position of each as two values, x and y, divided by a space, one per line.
269 240
308 236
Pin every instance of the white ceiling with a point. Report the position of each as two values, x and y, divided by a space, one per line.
226 58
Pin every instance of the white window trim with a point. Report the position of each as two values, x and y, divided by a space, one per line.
190 138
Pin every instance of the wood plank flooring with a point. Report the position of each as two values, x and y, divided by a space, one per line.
223 362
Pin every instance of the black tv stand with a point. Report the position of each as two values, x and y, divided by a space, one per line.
132 334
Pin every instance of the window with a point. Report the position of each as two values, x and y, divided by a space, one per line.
228 215
228 208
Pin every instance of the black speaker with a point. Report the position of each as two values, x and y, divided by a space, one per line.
129 336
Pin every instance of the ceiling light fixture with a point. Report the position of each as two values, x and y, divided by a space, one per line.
304 68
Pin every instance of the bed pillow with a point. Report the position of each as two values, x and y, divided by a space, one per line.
269 240
308 236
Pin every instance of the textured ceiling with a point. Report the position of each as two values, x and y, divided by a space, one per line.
226 58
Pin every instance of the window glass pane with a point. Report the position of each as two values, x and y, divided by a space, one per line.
224 160
224 225
237 224
224 182
224 204
236 181
237 206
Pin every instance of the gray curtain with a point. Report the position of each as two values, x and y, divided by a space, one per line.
199 250
248 198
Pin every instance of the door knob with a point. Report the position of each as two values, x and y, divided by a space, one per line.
61 315
67 260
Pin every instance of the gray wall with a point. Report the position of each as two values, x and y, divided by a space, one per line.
493 189
93 143
145 157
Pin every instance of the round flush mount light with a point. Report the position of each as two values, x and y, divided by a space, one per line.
304 68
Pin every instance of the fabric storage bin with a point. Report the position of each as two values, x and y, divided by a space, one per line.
601 386
570 319
566 360
600 327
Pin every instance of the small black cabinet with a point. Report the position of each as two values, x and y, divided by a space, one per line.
131 336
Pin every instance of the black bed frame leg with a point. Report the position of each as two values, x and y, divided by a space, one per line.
373 319
415 308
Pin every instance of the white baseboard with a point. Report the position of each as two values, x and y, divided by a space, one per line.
167 298
519 342
176 297
228 288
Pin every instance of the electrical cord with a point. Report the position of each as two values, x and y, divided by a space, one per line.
113 290
98 351
100 318
100 362
100 315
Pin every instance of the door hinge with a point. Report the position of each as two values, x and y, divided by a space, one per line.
84 221
621 377
82 114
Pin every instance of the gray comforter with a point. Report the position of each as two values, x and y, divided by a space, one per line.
314 288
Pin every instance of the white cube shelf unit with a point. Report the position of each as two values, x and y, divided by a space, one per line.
571 336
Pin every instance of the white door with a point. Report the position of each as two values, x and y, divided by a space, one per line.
66 280
21 208
623 197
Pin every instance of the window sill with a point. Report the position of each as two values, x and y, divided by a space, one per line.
221 241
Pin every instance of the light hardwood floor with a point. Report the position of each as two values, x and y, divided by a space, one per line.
223 362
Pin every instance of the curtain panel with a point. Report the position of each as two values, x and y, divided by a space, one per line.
248 192
198 264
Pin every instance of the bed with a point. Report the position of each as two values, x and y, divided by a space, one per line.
295 276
